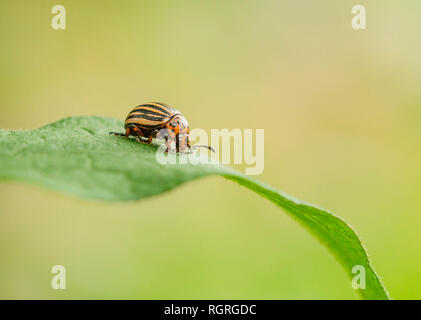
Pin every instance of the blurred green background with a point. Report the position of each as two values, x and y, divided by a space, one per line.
341 111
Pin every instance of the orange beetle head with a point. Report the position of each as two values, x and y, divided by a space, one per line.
178 124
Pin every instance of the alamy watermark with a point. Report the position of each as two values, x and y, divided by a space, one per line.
359 19
230 147
59 19
59 280
359 281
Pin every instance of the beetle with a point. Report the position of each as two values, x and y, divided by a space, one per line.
158 120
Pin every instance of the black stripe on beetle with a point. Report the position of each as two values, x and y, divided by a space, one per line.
150 112
143 116
146 126
168 112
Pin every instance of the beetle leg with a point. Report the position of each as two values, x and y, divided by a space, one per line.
119 134
139 139
171 145
154 133
142 140
161 134
189 147
135 131
127 134
168 144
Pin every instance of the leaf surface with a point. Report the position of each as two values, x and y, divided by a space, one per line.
77 156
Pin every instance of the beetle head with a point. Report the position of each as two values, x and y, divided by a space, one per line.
179 126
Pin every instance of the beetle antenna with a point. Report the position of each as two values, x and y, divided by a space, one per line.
206 147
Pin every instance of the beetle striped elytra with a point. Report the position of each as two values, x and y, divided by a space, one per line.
158 120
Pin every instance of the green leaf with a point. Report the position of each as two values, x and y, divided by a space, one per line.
78 156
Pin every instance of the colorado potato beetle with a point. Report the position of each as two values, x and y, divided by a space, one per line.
158 120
